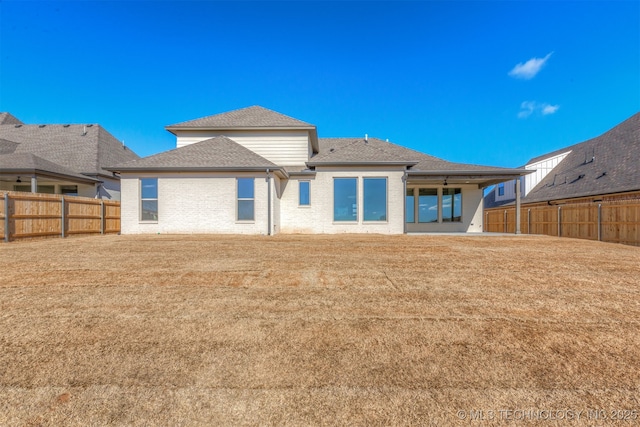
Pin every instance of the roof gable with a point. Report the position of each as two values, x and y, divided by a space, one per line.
214 153
250 117
9 119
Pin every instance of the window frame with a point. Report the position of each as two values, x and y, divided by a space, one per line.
357 201
501 189
438 196
308 183
386 199
143 199
239 199
450 220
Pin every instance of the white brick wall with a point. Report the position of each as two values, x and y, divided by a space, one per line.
193 203
318 218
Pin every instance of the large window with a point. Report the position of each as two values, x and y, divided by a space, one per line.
375 199
345 199
149 199
501 189
451 205
410 206
304 193
427 205
246 200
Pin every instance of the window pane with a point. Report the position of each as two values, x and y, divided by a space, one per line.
500 189
427 205
149 188
452 205
410 205
245 210
245 188
345 199
375 199
149 210
304 193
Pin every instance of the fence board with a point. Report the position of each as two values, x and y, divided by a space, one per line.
41 215
619 220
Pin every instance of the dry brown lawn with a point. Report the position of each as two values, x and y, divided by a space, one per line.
319 330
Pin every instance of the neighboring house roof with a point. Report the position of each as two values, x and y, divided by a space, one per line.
609 163
83 149
219 153
9 119
27 163
250 117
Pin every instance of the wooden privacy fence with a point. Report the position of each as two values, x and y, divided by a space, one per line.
27 215
616 221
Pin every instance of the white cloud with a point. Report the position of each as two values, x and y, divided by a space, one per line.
527 108
529 69
549 109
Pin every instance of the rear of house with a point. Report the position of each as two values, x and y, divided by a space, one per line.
256 171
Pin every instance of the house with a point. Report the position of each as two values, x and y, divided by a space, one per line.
257 171
59 159
603 168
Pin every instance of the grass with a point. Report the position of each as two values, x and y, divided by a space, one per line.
317 330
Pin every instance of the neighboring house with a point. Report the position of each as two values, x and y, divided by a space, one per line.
603 168
60 159
257 171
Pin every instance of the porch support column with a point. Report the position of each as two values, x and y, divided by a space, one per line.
34 184
518 206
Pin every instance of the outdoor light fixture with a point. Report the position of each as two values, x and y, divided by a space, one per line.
445 182
18 180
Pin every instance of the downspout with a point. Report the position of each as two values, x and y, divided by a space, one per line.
268 203
404 202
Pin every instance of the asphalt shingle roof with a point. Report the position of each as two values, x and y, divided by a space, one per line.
9 119
609 163
83 149
27 162
374 150
214 153
250 117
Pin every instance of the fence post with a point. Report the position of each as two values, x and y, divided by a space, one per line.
505 221
101 216
529 221
6 217
599 222
62 218
559 221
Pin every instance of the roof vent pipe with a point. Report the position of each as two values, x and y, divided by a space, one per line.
366 138
84 131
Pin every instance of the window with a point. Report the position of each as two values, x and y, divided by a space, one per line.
501 189
427 205
246 199
375 199
149 199
451 205
69 190
304 193
410 205
345 199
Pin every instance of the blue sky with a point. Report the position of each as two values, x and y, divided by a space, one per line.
492 83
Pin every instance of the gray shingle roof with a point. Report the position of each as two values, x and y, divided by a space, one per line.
84 149
211 154
17 163
609 163
9 119
250 117
374 150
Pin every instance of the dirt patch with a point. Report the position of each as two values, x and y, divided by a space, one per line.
307 330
